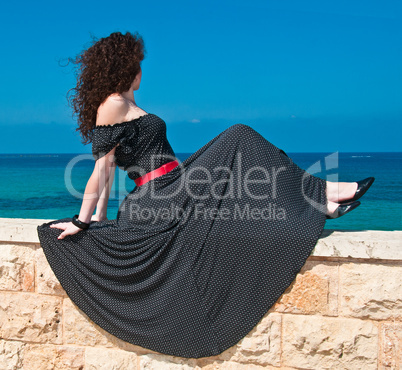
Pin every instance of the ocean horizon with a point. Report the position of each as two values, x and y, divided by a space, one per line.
50 185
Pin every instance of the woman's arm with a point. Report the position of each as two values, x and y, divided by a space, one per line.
113 110
97 184
101 206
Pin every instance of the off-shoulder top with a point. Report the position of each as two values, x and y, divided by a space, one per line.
142 144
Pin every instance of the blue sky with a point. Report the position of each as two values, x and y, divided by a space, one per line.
309 76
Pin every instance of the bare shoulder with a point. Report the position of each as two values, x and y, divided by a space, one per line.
113 110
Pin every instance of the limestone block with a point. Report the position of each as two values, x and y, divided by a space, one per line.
371 291
109 359
126 346
391 346
367 244
30 317
20 229
318 342
11 354
315 290
262 346
49 357
162 362
46 281
166 362
79 329
17 268
228 365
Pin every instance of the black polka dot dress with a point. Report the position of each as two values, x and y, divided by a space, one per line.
197 256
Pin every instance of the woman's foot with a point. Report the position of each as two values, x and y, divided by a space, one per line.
362 187
340 191
331 207
335 210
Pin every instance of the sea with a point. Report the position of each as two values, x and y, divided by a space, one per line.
51 186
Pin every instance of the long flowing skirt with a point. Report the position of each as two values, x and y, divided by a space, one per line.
196 257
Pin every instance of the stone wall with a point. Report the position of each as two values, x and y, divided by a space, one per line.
344 311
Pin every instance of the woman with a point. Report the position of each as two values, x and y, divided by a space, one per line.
199 250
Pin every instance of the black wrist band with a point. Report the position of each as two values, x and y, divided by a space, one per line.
78 223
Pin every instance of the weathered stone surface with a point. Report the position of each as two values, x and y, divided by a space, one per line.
108 359
159 362
11 354
318 342
228 365
315 290
46 357
81 330
376 244
371 291
262 346
30 317
164 362
17 268
20 229
46 281
125 346
391 345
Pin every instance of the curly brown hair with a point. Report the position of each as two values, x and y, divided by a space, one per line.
108 66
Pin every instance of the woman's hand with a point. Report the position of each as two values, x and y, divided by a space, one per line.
68 227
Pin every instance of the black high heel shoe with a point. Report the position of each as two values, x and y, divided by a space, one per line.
343 209
362 187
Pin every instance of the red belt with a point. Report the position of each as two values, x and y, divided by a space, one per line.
156 173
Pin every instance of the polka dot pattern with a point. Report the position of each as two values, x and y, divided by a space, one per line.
196 257
142 144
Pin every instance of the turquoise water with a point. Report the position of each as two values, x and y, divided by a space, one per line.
49 186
